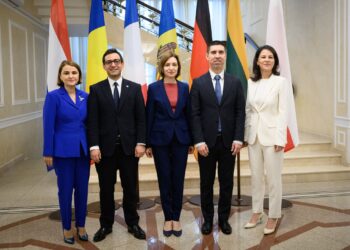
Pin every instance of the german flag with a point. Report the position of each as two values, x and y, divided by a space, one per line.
201 38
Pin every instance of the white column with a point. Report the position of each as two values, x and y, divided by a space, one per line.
342 78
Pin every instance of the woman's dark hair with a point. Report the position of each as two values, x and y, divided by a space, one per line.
164 59
256 69
69 63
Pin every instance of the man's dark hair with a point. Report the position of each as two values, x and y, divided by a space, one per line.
112 51
216 42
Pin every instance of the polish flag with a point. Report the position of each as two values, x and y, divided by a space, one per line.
276 37
134 62
59 48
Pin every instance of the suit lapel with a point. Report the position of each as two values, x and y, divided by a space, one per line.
125 90
66 98
208 85
227 88
165 98
266 92
180 94
106 89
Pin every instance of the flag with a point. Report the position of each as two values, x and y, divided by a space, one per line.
59 48
167 30
236 62
276 37
134 62
97 45
201 37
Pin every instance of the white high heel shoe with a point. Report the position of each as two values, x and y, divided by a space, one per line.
271 230
258 221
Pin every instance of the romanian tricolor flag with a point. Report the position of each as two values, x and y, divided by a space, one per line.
236 62
167 30
59 48
276 37
97 45
201 37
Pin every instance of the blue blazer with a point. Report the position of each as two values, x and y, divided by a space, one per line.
64 124
162 122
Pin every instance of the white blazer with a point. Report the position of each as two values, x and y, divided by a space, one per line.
266 114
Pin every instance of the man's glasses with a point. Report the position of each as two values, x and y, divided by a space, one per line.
110 62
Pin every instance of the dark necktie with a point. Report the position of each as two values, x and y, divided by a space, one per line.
218 88
116 95
218 95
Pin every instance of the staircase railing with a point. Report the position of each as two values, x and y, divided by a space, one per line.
149 19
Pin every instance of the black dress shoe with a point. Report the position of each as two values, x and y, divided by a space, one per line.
225 227
102 233
207 227
137 231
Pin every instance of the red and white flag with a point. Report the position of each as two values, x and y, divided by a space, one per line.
59 48
276 37
134 65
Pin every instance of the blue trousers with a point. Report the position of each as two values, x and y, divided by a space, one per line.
170 161
72 173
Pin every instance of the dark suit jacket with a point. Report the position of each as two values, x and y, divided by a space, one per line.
206 110
64 124
103 118
162 122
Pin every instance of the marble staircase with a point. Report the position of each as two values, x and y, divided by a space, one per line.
313 160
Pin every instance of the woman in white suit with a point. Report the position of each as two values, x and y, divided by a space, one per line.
266 135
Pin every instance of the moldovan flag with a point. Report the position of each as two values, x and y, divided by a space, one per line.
236 63
276 37
167 30
97 45
201 37
59 48
134 62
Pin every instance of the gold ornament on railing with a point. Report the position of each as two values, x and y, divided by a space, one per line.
184 40
152 16
120 6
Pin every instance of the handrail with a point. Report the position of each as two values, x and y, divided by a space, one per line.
149 19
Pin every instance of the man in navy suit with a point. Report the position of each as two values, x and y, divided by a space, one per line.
218 114
117 138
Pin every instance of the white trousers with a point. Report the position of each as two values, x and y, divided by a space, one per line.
265 159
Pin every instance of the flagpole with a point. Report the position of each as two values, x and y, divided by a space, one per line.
240 200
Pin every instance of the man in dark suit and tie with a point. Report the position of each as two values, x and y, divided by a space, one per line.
117 137
217 120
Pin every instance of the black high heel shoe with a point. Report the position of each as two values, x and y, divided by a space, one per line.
84 237
68 240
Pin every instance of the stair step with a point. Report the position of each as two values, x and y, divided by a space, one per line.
313 160
293 159
148 181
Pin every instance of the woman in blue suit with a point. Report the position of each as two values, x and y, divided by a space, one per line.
169 138
65 146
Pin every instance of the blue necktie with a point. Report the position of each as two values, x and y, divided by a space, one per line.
218 88
218 95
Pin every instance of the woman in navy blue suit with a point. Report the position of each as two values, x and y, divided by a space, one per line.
65 146
169 138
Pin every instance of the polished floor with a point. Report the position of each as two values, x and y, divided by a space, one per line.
318 219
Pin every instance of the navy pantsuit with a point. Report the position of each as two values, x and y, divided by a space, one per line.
65 141
168 134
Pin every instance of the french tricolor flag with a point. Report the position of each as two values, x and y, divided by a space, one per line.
134 62
276 37
59 48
